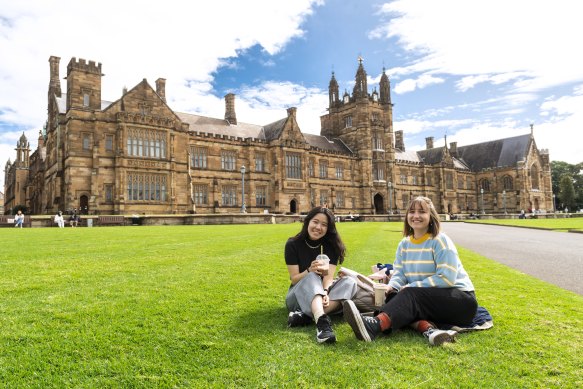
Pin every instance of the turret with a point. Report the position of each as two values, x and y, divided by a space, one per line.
360 84
83 84
333 91
385 86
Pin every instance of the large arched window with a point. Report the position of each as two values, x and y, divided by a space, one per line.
485 184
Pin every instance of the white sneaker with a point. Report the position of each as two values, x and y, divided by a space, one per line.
438 337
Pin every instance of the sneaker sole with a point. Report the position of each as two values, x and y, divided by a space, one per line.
352 316
331 339
444 338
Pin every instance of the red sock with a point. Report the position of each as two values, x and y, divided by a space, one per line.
385 321
423 325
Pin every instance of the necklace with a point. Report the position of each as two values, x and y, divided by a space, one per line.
312 247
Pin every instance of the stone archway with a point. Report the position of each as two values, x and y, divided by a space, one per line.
293 206
84 205
379 204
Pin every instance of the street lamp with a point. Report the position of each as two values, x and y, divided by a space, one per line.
390 187
243 189
554 203
504 201
482 193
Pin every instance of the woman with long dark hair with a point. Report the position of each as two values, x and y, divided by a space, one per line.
312 296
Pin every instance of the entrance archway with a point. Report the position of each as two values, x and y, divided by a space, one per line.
379 204
84 205
293 206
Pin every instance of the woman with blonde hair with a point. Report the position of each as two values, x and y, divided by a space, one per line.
429 284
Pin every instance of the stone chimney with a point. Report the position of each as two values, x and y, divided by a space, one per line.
161 88
453 149
291 112
230 115
429 142
399 144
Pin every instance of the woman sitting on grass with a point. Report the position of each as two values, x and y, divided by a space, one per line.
309 297
429 284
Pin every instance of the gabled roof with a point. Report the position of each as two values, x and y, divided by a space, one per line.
321 142
496 153
209 125
273 130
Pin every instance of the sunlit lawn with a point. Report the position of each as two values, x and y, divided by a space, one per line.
202 306
561 224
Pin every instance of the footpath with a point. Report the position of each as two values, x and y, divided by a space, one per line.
554 257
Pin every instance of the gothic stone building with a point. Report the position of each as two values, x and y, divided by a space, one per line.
136 155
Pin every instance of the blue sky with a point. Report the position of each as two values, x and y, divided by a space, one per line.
474 70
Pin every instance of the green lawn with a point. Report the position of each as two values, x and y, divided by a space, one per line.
563 224
203 306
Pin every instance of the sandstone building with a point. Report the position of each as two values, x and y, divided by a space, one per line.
137 155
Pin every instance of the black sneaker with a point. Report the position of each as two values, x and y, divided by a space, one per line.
438 337
365 327
324 333
298 319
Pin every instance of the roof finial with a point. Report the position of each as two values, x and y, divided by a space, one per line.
360 59
531 129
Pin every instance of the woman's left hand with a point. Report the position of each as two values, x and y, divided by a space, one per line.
325 300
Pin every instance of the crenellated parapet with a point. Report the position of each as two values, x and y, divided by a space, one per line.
84 66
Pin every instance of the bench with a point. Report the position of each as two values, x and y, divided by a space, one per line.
4 221
111 220
349 218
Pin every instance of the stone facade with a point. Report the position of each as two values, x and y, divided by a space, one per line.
136 155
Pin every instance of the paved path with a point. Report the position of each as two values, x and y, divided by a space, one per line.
554 257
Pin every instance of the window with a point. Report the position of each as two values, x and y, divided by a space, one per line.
200 194
449 181
323 169
377 141
86 141
146 187
293 165
428 179
313 197
323 197
469 184
228 160
339 171
405 200
507 183
146 143
414 180
108 189
229 195
86 99
340 199
260 162
198 157
261 196
485 185
378 172
403 179
348 121
534 177
108 142
460 184
311 168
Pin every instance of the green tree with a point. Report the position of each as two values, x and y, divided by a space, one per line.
567 192
560 168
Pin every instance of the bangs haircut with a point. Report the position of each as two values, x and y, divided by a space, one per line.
427 205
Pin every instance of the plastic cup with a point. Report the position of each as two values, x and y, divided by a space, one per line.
379 294
324 263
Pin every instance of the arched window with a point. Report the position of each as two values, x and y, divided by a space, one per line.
507 183
485 184
534 177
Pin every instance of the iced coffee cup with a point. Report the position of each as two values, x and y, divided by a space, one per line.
324 263
379 294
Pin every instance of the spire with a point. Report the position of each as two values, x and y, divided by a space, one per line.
333 91
385 89
531 130
360 87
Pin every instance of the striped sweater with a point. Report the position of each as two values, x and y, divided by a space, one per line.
429 262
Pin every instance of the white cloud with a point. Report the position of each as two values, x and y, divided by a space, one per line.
409 85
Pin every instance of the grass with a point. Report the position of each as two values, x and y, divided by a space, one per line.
203 306
563 224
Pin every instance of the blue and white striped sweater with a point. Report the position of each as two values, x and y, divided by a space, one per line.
429 262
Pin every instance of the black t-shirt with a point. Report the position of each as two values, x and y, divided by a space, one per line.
297 252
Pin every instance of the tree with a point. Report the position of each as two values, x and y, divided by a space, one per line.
567 192
560 168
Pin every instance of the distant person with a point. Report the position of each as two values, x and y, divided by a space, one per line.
59 219
429 284
18 219
74 219
311 295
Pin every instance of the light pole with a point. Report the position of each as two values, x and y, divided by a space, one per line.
504 201
482 193
243 189
390 187
554 203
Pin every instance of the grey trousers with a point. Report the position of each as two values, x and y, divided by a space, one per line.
299 296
